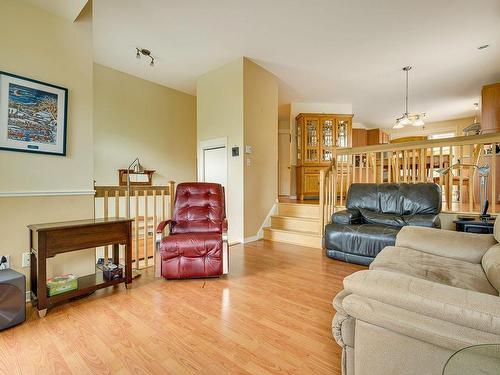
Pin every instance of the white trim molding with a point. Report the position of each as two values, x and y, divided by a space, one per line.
53 193
251 239
205 145
266 223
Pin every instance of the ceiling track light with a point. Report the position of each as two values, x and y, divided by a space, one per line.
407 118
145 52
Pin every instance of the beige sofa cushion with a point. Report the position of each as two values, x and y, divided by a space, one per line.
491 265
458 245
434 268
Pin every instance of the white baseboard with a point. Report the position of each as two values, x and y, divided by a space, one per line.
251 239
28 296
266 223
293 197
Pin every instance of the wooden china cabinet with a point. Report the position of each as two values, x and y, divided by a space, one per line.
317 137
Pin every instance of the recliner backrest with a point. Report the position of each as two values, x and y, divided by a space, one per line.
199 207
394 198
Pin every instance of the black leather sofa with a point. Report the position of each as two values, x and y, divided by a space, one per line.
375 213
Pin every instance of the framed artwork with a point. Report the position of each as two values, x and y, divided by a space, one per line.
33 115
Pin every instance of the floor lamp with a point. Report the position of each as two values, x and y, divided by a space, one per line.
484 171
137 169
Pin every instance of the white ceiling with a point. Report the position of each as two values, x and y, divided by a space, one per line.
321 50
69 9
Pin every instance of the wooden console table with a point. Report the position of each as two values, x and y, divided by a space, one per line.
48 240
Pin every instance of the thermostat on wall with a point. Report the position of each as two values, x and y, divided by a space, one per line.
248 149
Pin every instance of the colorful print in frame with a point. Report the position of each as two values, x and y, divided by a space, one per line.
33 115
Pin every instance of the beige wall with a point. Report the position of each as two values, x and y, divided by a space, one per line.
134 117
239 102
220 115
39 45
261 133
456 126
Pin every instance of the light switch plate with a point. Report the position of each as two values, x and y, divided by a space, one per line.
248 149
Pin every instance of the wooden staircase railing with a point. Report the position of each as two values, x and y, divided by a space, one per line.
414 162
148 206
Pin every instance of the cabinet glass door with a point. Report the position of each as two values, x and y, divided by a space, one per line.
311 140
299 141
342 133
327 139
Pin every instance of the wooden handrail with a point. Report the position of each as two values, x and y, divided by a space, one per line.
122 190
415 145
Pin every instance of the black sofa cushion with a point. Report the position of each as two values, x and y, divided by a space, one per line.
375 214
360 239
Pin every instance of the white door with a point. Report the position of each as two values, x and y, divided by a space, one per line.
284 163
215 165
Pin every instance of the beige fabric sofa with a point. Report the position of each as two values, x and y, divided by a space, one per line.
433 293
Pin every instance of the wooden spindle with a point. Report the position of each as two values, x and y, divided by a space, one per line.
493 178
127 208
460 179
136 230
117 203
341 181
431 165
450 181
389 166
155 223
321 201
440 175
145 228
106 210
171 189
471 178
334 182
381 167
163 203
423 163
367 169
413 165
348 183
405 162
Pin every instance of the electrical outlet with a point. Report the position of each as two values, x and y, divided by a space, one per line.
26 259
4 262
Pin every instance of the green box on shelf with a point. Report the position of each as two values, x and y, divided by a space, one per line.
61 284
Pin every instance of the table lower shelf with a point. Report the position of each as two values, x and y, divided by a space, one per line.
86 284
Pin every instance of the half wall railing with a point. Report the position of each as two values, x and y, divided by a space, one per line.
414 162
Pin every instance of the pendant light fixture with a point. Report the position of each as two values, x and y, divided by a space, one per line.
407 119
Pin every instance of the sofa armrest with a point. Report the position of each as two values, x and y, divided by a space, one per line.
346 217
423 220
462 307
469 247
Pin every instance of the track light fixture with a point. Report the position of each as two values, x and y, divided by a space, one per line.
145 52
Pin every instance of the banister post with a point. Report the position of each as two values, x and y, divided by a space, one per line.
322 175
171 192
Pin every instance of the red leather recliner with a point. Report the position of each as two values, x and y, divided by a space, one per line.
197 242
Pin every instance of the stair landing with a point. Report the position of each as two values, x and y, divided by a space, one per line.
297 222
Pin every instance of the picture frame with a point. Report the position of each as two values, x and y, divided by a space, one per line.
33 115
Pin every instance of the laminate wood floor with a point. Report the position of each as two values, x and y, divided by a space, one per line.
271 315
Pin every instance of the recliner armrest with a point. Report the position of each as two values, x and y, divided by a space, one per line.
346 217
162 225
469 247
462 307
423 220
